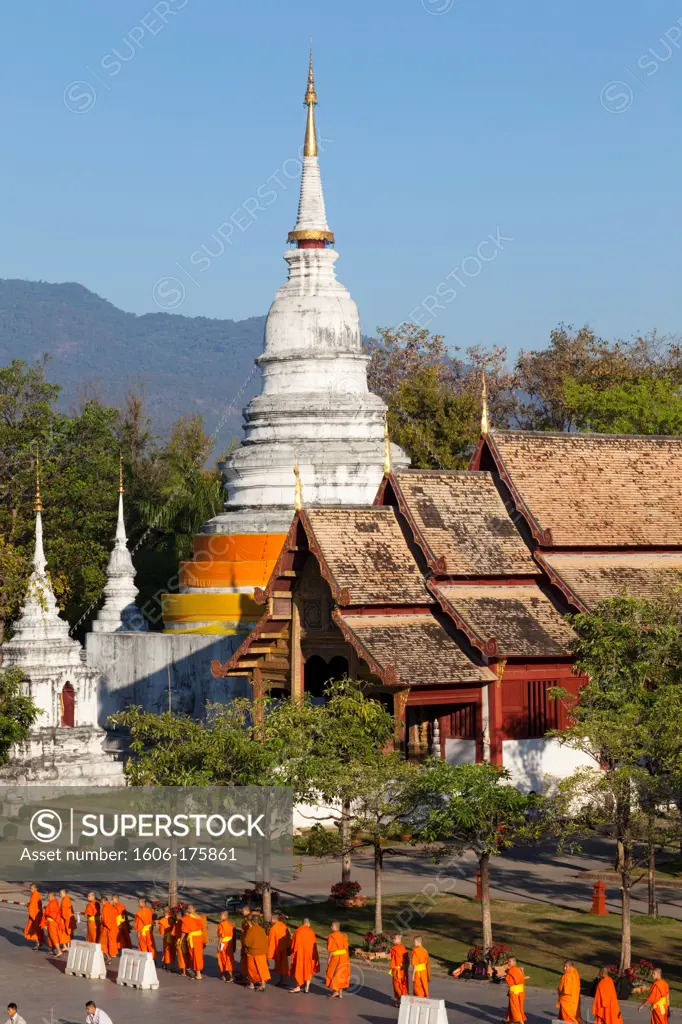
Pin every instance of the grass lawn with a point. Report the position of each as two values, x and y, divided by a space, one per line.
541 936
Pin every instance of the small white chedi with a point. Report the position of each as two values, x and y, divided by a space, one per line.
65 745
315 400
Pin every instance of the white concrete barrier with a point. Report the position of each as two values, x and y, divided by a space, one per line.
137 969
86 960
414 1010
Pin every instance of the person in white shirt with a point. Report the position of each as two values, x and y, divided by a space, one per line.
95 1016
13 1015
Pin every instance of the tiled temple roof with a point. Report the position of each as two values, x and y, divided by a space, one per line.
507 621
410 650
594 490
461 523
588 578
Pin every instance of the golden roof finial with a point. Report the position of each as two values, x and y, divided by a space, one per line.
120 473
38 506
310 148
485 419
298 489
388 455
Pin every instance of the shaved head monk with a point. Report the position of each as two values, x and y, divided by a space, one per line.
605 1007
55 925
658 998
279 947
516 991
166 926
193 929
256 949
108 933
68 918
227 944
92 918
305 961
144 923
338 965
399 968
123 925
421 969
34 926
569 995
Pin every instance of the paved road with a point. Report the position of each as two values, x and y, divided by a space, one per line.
45 995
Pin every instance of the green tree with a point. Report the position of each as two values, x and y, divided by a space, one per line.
628 719
474 807
650 405
18 712
436 428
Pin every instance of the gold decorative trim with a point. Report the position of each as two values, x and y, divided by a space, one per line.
311 236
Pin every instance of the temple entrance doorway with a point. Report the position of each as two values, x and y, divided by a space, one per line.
317 672
67 706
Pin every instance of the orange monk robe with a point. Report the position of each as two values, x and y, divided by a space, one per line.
166 926
193 928
34 931
108 933
659 997
305 961
279 947
605 1006
399 963
516 981
256 948
181 948
123 926
242 947
54 923
92 918
144 922
338 964
569 996
227 944
68 920
422 972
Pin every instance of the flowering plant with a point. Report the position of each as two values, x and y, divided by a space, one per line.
642 972
379 942
255 896
476 955
497 955
345 890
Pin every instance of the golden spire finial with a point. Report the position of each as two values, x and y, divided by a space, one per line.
38 506
120 473
298 489
485 419
388 455
310 148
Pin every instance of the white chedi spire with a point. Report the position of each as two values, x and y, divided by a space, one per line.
119 612
39 619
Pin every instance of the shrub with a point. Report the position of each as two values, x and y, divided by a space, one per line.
346 890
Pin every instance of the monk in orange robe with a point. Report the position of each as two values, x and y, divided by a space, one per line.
569 995
144 924
421 969
227 944
605 1007
182 953
68 918
658 999
194 928
92 918
338 964
305 961
243 976
279 947
124 940
256 948
54 923
166 926
399 968
34 930
108 933
516 983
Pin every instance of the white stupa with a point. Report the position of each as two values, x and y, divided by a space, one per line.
119 612
315 398
66 744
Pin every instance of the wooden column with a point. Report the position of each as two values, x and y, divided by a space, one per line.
495 716
400 718
295 653
258 694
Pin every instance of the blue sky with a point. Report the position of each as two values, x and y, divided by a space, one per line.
445 123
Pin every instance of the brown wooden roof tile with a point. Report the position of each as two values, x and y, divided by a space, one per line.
595 490
588 578
460 522
410 650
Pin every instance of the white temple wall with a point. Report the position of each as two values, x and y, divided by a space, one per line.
141 669
535 764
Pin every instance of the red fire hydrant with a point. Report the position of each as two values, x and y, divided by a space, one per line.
599 899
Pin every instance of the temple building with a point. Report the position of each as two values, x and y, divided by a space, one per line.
315 408
449 594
